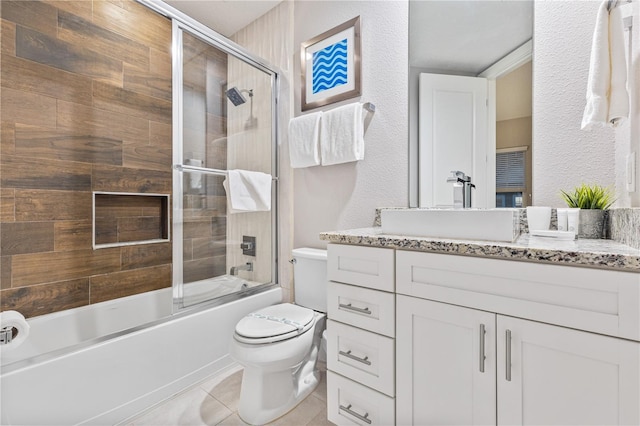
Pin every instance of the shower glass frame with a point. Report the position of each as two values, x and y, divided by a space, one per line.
183 23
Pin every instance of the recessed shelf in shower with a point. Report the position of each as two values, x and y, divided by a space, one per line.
122 219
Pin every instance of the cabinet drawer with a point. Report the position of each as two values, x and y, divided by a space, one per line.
350 403
606 302
370 267
369 309
361 355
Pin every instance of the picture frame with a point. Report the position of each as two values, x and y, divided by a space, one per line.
331 66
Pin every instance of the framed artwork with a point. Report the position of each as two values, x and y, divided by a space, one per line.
331 66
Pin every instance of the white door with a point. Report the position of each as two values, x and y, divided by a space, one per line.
453 135
560 376
441 378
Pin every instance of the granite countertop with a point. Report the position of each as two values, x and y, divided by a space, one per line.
602 254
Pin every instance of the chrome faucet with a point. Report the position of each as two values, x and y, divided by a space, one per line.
461 189
246 267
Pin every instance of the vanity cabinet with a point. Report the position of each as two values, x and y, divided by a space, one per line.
479 340
457 365
361 335
508 346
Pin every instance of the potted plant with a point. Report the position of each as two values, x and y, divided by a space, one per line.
593 201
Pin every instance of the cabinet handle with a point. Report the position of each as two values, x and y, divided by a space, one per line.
348 354
356 415
355 308
508 356
482 355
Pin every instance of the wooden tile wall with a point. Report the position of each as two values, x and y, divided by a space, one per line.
86 106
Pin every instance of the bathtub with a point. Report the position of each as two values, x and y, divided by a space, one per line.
97 365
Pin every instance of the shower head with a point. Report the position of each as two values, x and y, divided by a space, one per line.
235 95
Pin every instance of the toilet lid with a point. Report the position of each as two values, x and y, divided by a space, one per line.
274 323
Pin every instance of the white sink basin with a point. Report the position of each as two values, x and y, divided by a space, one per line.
457 224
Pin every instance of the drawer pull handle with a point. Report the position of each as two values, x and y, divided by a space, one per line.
355 308
348 354
356 415
482 355
508 356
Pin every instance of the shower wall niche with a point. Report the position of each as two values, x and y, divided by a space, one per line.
121 219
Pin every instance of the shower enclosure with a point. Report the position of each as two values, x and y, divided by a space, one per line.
100 316
224 119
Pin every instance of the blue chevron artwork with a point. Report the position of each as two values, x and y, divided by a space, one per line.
329 67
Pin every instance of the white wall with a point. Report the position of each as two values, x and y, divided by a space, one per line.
563 155
346 195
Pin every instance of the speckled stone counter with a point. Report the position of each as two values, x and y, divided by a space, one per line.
602 254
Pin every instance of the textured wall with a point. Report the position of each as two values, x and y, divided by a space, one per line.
563 155
86 106
346 195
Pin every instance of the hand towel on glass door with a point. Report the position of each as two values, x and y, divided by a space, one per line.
247 191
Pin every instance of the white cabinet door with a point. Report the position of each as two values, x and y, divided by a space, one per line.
441 376
453 135
562 376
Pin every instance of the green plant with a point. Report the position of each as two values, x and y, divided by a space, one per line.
589 197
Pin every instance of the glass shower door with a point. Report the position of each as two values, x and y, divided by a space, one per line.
224 119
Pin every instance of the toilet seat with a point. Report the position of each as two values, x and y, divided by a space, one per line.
274 324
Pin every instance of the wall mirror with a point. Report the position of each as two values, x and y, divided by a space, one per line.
470 65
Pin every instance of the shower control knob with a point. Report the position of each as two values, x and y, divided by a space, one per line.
248 245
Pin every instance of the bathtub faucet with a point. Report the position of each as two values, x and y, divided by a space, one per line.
246 267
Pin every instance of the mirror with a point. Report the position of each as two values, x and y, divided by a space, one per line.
473 38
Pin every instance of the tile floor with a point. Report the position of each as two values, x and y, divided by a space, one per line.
215 402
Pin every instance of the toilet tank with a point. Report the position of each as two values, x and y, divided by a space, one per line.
310 278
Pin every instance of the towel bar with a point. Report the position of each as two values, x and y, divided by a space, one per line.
205 170
612 4
369 107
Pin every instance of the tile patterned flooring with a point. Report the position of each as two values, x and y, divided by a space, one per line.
215 402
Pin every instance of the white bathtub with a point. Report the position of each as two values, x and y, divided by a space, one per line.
112 370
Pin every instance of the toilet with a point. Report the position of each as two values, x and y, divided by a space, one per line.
278 346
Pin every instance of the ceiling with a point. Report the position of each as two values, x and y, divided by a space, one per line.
224 16
466 36
454 36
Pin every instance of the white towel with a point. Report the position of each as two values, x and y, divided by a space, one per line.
607 96
304 133
342 135
247 191
618 95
